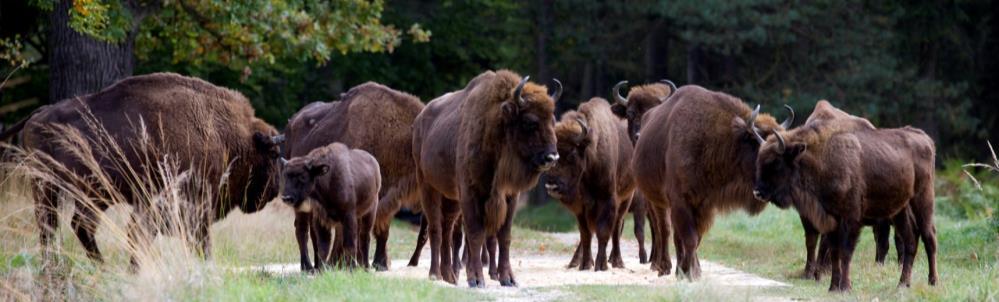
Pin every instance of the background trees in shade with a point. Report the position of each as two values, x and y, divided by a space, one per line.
925 63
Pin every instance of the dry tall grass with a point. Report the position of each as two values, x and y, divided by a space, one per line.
167 198
994 166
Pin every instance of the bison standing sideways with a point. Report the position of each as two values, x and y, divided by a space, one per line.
593 179
696 156
839 172
479 148
344 183
202 130
373 118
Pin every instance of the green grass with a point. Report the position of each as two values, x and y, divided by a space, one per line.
547 217
332 286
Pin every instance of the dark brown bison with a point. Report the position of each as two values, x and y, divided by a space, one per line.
695 158
476 150
343 184
373 118
133 126
839 172
593 179
640 100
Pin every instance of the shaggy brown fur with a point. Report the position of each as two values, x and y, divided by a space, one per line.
839 173
151 118
479 148
695 158
640 100
344 183
593 179
369 117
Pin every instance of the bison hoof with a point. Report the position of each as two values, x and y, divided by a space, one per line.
601 266
508 282
380 267
618 263
449 277
642 259
475 283
494 276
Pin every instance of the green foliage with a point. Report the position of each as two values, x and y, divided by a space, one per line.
960 197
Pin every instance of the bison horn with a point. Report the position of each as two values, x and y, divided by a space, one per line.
672 87
790 119
617 93
780 142
284 162
277 139
558 90
752 125
520 89
583 125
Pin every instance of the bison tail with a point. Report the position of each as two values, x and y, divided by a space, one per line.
494 214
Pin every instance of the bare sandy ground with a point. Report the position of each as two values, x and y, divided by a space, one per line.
541 276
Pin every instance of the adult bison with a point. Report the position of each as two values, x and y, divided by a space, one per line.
344 183
373 118
695 157
641 99
838 171
140 133
593 179
476 150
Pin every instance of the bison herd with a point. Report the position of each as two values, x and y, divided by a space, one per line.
675 156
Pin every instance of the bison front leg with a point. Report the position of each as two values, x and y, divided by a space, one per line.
605 228
475 238
421 240
85 226
504 238
349 242
848 245
302 228
491 249
577 256
811 238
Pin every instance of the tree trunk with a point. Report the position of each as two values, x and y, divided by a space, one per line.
657 53
693 65
80 64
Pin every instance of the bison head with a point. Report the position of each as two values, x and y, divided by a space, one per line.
776 167
640 100
573 135
263 185
529 124
299 179
749 134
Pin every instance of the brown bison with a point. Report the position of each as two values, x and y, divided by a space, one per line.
695 157
839 172
476 150
373 118
593 179
640 100
132 127
344 184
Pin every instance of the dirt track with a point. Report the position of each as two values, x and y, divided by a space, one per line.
540 276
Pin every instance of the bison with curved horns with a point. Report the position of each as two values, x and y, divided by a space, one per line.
641 99
476 150
593 179
373 118
695 157
132 126
842 172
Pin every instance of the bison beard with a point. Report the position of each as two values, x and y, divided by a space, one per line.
179 112
476 150
695 158
839 172
593 179
373 118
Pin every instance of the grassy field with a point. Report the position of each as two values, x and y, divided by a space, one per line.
770 245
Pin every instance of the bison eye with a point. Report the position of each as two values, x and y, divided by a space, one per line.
529 126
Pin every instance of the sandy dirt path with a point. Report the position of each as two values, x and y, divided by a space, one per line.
541 276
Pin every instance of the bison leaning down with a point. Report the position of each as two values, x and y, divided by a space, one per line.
593 179
479 148
842 172
344 183
373 118
695 157
207 135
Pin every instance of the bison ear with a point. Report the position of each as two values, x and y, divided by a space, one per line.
619 110
509 110
318 170
794 150
262 141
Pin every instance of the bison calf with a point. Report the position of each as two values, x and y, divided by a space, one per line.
342 184
839 171
593 179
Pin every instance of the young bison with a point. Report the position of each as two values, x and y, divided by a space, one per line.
342 185
593 179
842 172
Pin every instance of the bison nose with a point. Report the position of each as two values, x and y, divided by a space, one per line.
287 198
551 158
759 195
551 186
